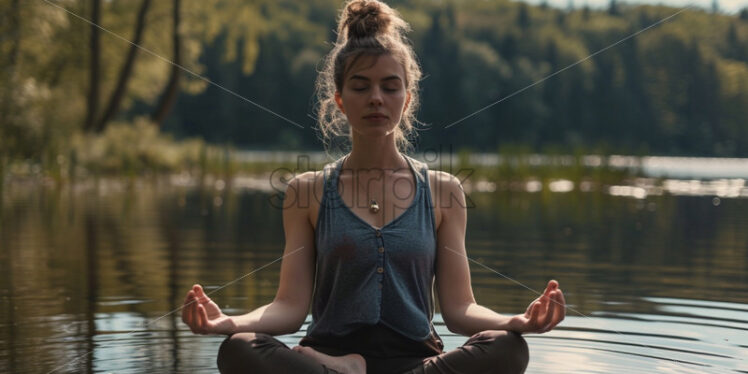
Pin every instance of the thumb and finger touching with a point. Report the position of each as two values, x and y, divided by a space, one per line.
201 296
194 313
552 307
549 309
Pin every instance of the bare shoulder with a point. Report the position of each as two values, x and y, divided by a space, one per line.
446 191
442 178
306 179
444 184
305 192
306 182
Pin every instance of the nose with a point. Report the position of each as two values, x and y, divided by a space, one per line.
376 96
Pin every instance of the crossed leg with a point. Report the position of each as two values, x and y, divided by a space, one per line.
261 353
487 352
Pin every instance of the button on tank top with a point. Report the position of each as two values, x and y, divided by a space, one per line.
366 275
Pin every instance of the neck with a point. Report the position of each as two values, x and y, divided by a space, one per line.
375 153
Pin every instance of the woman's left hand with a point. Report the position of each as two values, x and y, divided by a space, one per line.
543 314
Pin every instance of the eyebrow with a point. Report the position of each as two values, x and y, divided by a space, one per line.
361 77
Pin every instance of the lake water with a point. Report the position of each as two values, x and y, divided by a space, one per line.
88 276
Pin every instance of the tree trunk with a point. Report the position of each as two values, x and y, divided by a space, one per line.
11 79
124 76
169 96
93 76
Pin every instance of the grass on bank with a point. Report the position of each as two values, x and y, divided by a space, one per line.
140 150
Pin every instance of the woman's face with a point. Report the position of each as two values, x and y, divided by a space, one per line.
374 96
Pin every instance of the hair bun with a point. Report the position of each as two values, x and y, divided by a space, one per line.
365 18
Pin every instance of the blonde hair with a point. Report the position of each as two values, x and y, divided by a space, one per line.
366 28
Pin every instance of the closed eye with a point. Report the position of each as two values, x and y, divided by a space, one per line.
365 88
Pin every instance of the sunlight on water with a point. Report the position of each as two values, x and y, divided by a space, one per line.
85 278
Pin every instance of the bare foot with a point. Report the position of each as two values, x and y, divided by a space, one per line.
349 364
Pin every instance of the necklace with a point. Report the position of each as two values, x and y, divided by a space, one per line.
373 206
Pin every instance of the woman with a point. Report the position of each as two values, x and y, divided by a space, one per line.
367 251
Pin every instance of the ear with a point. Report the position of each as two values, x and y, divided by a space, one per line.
407 101
339 101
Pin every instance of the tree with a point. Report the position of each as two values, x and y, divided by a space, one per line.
440 50
172 88
613 8
733 43
677 89
124 76
93 68
744 14
10 77
523 17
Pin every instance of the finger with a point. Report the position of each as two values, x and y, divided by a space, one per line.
198 289
547 291
552 307
188 311
545 303
552 285
185 306
529 308
194 316
201 296
200 319
207 324
535 313
546 295
559 310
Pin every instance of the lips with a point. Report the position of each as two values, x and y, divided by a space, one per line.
375 116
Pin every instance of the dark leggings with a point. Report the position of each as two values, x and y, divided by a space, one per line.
487 352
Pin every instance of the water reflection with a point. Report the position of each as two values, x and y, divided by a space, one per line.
85 276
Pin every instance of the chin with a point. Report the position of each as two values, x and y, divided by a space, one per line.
375 130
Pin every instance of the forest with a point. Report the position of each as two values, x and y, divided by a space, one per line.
631 79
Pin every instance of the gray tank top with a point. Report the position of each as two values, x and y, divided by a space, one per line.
367 275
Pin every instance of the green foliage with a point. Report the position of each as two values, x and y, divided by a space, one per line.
678 88
134 149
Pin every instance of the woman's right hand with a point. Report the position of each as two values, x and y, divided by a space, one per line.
203 316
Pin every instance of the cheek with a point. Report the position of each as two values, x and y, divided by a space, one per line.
353 99
396 99
402 102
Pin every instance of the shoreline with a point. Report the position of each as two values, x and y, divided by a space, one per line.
637 187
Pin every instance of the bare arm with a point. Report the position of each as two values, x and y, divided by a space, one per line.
287 312
461 313
276 318
298 266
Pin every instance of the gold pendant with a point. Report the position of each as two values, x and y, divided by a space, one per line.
373 206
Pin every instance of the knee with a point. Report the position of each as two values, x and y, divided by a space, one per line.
238 343
511 350
519 349
236 349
